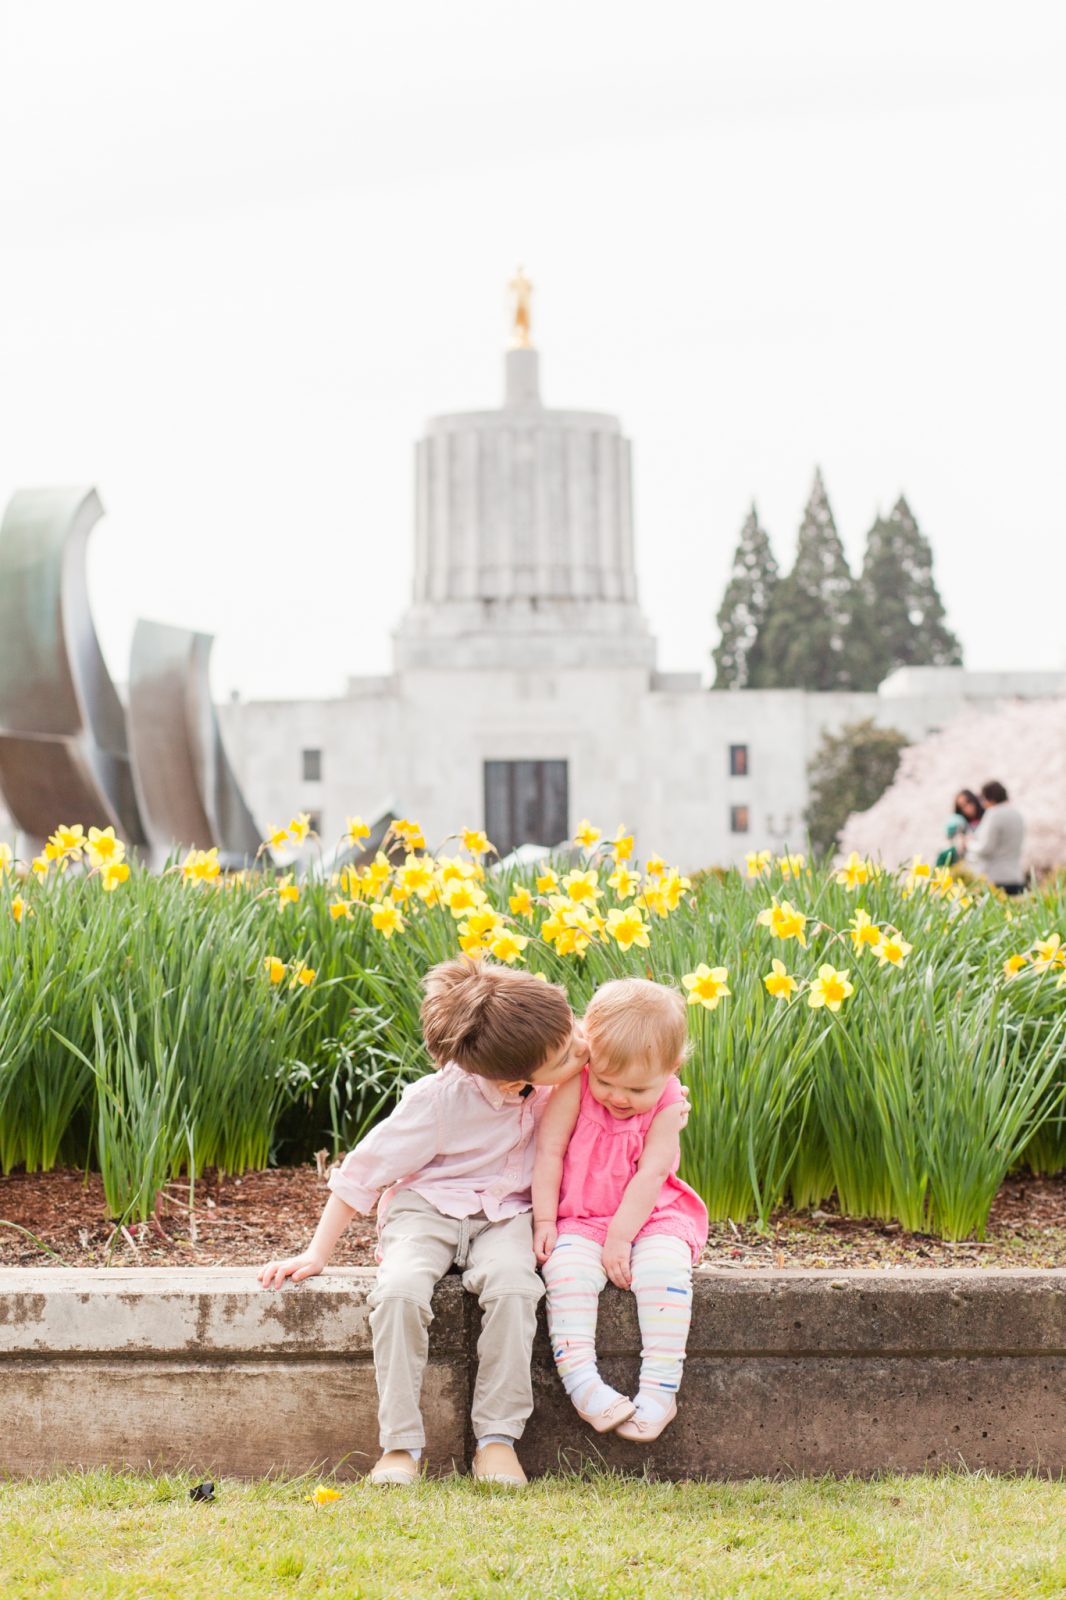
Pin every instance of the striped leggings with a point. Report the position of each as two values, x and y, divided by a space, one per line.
662 1283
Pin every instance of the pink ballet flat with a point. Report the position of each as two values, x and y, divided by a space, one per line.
610 1417
643 1430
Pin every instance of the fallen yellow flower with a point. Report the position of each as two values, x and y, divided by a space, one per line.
324 1496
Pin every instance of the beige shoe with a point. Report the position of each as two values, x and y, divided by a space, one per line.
643 1430
498 1463
610 1417
396 1467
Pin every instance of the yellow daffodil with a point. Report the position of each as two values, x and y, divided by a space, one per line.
378 872
655 866
791 866
892 949
780 983
582 886
300 827
274 968
201 866
287 892
586 835
864 931
622 845
386 919
548 881
323 1495
521 903
508 946
1013 965
624 882
784 921
340 908
920 868
20 908
409 833
707 985
628 928
476 841
830 988
461 898
304 976
854 873
672 887
6 859
68 842
942 882
277 838
1048 952
479 930
757 862
104 847
417 876
653 899
39 866
112 874
355 831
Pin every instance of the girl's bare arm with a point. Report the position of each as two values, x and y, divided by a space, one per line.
553 1135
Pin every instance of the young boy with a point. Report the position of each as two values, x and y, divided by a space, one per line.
455 1160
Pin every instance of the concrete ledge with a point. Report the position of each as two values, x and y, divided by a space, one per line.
787 1371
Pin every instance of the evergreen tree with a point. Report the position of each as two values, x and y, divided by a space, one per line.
745 605
899 619
804 642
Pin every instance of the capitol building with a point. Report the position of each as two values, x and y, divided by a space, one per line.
524 693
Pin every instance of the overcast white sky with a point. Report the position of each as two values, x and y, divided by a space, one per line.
246 248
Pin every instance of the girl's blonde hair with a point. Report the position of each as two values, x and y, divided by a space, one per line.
632 1019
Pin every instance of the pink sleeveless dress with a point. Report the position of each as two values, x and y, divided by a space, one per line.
601 1158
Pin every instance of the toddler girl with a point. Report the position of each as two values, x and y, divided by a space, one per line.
607 1203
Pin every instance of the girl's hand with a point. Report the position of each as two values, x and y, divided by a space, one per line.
544 1236
685 1107
616 1255
273 1275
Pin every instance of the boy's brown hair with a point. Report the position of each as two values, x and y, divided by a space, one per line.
491 1021
634 1020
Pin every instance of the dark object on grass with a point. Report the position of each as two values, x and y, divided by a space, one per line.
203 1491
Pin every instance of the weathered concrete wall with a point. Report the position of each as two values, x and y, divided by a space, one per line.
787 1371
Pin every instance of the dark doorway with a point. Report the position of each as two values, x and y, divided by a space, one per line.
526 802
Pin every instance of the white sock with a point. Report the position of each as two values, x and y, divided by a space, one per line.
413 1450
587 1389
652 1403
494 1438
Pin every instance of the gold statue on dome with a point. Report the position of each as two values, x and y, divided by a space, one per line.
521 291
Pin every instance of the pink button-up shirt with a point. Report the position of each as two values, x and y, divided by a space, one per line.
456 1140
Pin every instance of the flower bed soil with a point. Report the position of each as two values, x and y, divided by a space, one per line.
245 1221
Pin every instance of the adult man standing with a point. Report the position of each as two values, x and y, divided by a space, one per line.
995 849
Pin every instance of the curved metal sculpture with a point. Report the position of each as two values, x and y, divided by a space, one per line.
186 787
63 750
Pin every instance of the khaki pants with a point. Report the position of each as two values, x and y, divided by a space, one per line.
418 1245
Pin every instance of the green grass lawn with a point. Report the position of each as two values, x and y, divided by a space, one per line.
101 1534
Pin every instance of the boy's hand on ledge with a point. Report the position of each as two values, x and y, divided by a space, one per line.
616 1254
273 1275
544 1236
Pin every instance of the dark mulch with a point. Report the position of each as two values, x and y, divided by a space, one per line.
246 1221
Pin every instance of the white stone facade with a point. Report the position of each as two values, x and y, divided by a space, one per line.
525 643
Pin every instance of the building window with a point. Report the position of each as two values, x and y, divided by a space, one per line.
312 766
738 760
738 819
526 802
